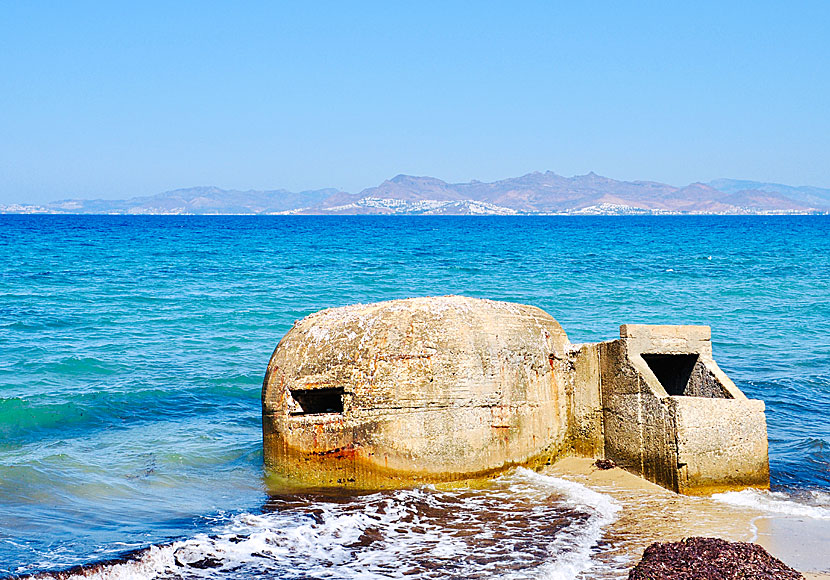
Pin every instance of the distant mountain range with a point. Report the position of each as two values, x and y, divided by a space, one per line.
534 193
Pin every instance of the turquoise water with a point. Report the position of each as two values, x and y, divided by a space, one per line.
132 351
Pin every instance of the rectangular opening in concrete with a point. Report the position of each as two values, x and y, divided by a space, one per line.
319 401
686 375
672 370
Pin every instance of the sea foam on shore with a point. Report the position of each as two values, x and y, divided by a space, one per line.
519 525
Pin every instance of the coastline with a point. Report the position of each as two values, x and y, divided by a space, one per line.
141 414
631 514
652 514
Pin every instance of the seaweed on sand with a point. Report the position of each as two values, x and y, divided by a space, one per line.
710 559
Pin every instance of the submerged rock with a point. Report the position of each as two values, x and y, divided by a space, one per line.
710 559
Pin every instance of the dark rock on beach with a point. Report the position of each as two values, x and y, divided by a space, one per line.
710 559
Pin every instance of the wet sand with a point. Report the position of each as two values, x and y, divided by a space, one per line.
652 514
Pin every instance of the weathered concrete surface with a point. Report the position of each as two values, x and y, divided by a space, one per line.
431 389
703 436
721 444
586 434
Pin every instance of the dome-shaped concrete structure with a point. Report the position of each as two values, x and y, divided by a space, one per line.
419 389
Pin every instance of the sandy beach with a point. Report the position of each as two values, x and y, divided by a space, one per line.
650 514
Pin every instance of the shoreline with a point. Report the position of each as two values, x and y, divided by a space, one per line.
646 513
651 513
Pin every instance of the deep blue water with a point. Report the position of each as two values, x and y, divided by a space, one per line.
132 349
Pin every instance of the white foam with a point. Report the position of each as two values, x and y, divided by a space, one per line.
775 503
574 547
819 497
153 563
524 525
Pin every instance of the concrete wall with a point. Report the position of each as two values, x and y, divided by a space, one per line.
721 444
586 430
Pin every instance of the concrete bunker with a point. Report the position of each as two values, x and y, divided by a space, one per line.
672 416
447 388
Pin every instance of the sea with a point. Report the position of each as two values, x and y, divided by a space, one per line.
133 348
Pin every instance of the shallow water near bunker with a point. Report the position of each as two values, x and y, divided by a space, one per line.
133 350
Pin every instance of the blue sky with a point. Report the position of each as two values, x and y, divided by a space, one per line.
120 99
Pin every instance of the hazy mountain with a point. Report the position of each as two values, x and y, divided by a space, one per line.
549 192
409 188
805 195
200 200
528 194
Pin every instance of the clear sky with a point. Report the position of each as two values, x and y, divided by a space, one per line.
115 99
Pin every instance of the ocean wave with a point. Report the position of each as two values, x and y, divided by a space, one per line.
73 365
523 525
41 416
779 503
575 547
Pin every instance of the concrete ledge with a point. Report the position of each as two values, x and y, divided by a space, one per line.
657 332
